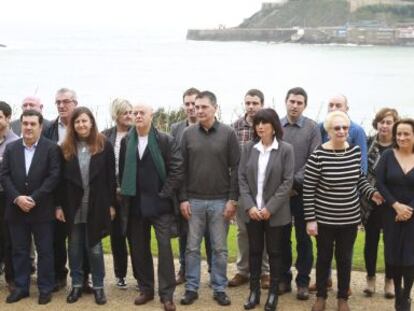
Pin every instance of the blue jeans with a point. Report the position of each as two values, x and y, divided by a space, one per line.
207 213
78 244
304 250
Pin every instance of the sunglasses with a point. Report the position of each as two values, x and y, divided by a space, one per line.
340 127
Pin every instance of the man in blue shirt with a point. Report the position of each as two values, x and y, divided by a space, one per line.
356 132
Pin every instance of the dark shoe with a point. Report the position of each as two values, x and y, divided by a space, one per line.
253 300
74 295
265 281
143 298
302 293
169 305
284 288
189 297
319 304
16 295
271 302
238 280
180 279
59 284
121 284
222 298
343 305
100 297
44 299
403 305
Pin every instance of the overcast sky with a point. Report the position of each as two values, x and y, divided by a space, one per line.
179 14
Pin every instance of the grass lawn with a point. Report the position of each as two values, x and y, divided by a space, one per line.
358 262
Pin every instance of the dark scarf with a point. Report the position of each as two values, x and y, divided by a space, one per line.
129 182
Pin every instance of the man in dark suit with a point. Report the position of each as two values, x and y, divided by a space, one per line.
151 170
66 101
30 206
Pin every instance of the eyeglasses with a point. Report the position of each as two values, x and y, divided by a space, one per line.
63 101
188 104
340 127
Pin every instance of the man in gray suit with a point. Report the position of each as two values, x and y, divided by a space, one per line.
30 102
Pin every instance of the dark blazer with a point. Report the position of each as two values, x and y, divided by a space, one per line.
175 172
277 184
51 131
110 134
42 179
177 130
101 194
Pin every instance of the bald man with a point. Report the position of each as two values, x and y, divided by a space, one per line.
30 102
356 132
150 171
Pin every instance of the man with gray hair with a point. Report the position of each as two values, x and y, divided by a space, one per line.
151 171
29 102
209 195
66 101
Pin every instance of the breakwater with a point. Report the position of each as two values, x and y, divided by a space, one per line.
319 35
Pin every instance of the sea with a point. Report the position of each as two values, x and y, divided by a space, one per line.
156 66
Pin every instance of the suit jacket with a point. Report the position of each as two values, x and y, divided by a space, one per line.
51 131
102 190
278 182
40 182
175 172
177 130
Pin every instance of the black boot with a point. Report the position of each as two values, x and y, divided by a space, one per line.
253 299
272 298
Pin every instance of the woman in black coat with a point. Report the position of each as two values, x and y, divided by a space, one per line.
88 196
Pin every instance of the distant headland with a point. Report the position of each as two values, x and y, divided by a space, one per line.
375 22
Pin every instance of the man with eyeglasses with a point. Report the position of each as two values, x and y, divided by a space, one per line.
304 135
65 101
253 102
29 102
177 130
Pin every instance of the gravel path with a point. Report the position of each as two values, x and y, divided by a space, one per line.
123 299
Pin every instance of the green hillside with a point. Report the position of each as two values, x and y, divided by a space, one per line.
325 13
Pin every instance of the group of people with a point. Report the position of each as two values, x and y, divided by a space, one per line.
63 179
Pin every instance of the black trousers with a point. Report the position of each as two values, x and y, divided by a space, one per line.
5 242
139 232
342 238
119 247
60 251
259 233
21 234
373 229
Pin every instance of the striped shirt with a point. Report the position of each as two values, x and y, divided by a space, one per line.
333 181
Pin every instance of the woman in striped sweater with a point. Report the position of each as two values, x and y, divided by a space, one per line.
333 181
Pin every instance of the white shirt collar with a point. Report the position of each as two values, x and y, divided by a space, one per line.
259 146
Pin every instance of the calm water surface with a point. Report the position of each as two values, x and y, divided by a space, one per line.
155 67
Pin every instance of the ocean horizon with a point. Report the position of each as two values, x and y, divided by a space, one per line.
155 66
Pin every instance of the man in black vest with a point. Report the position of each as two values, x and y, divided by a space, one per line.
151 170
